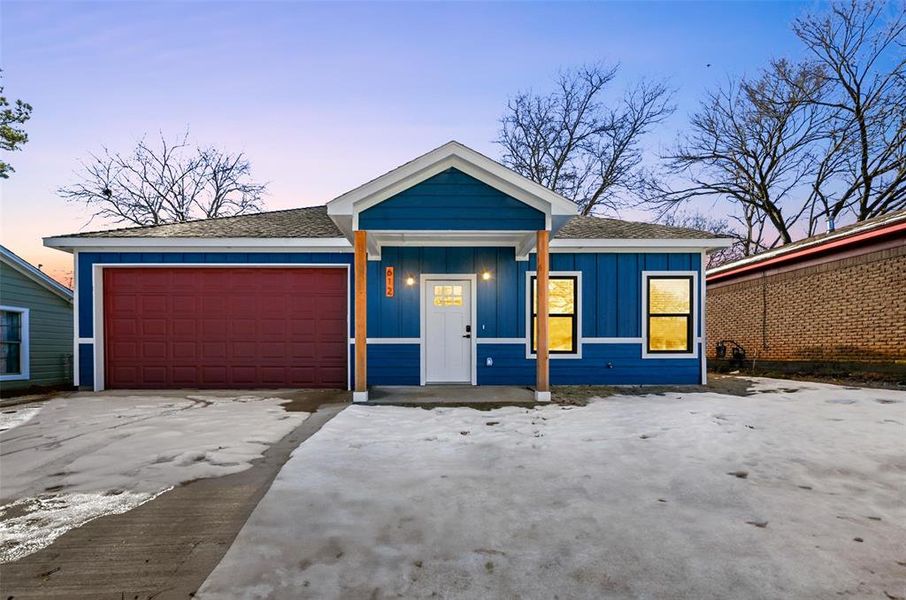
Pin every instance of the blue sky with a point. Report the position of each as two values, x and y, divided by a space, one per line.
324 96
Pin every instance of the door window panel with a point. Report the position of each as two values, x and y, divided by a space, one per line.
447 295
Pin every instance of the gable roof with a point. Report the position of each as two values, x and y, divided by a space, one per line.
8 257
885 225
461 157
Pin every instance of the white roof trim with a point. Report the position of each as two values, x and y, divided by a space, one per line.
152 243
35 274
819 240
451 154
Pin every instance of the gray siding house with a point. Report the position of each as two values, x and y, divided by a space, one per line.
35 328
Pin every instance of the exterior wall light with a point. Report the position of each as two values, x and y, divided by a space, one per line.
486 276
410 280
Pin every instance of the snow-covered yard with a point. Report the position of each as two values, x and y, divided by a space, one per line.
72 459
796 491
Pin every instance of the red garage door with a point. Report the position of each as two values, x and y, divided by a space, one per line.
225 327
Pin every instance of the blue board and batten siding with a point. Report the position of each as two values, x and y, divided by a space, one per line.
611 308
451 201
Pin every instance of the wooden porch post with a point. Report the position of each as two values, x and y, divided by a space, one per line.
361 318
542 380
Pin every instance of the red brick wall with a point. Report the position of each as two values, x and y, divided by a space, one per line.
847 309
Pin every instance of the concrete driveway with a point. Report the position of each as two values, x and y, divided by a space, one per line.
138 495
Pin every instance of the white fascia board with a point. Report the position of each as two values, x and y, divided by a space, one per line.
196 244
451 154
641 245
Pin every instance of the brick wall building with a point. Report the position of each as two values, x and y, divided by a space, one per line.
833 298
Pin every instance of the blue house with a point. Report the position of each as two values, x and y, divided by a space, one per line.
449 269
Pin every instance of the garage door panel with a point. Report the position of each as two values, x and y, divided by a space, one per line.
185 376
184 350
183 328
328 374
154 350
213 304
154 327
225 327
332 328
243 328
213 377
157 375
213 328
185 304
213 351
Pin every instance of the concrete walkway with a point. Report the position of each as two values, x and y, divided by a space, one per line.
427 396
163 549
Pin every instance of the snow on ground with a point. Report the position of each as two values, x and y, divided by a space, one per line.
793 492
85 456
17 415
30 524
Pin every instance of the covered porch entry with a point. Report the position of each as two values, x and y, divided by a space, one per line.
458 199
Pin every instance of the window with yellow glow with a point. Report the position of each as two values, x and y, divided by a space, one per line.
447 295
669 314
562 327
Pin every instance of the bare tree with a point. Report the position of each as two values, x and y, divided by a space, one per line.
166 183
751 144
575 143
807 142
719 227
863 61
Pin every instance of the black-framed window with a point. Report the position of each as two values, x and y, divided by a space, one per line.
10 342
669 302
562 301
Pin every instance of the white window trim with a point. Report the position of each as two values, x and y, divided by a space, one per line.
24 346
694 342
528 315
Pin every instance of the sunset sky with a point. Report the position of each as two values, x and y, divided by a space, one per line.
323 97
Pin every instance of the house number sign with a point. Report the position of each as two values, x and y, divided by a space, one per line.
389 280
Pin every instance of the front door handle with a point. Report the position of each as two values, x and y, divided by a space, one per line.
467 335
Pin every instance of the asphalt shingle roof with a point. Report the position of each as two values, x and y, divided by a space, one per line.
313 222
589 228
308 222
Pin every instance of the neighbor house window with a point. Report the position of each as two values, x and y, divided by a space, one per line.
670 305
13 343
563 301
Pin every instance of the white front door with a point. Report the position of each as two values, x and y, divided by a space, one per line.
448 331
